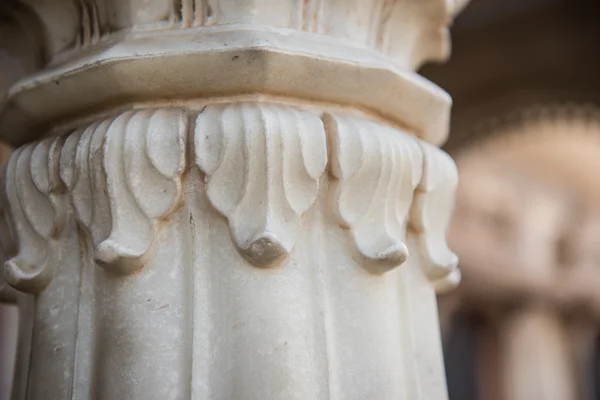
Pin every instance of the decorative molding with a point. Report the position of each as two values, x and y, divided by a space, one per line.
34 212
152 47
262 164
89 24
122 176
430 216
255 61
376 170
74 24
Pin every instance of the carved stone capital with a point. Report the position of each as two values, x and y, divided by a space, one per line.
219 188
262 165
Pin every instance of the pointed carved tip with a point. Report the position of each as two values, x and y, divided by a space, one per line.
13 274
440 261
17 276
448 282
386 260
265 251
115 257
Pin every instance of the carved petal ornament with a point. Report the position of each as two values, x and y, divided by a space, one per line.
263 166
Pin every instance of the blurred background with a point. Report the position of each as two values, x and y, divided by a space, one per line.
525 322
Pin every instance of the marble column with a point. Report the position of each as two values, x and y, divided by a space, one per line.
509 231
230 199
537 362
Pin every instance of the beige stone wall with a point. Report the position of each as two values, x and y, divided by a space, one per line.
526 230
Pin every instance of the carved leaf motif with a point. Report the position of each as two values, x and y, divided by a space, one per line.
376 170
35 214
262 165
124 176
430 216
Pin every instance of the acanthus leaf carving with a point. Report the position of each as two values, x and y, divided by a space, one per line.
376 170
34 198
262 164
124 176
430 216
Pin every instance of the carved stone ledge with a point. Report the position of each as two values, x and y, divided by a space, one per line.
242 61
76 25
121 176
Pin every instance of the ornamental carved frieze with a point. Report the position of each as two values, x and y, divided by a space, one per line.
262 165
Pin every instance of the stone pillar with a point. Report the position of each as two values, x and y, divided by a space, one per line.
507 230
231 199
580 282
537 362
